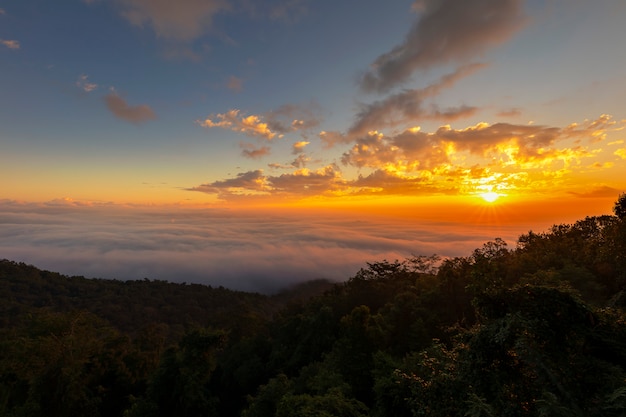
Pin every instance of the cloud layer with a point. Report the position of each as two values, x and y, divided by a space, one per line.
249 250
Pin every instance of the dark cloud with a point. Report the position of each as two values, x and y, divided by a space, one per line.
301 161
294 117
299 183
251 151
408 106
134 114
445 31
332 138
251 181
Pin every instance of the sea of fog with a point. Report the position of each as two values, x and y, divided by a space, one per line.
238 249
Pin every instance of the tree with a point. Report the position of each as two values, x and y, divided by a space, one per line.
537 352
620 207
180 384
331 404
63 364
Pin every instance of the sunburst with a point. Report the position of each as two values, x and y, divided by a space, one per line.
489 196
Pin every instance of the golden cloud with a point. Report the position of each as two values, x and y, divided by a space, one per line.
269 125
299 146
500 157
249 125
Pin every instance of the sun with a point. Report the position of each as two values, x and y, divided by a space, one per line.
489 196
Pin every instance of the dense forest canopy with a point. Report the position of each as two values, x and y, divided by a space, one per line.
534 330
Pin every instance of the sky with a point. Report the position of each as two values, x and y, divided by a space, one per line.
252 144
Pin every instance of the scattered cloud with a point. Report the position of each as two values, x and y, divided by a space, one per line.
301 161
134 114
298 147
445 31
513 112
183 20
332 138
595 130
294 117
233 120
10 43
272 124
249 150
235 84
84 84
621 153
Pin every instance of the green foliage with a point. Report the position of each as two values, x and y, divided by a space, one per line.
179 385
266 402
536 352
620 207
64 365
331 404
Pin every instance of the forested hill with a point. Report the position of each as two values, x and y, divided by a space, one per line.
131 306
534 330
